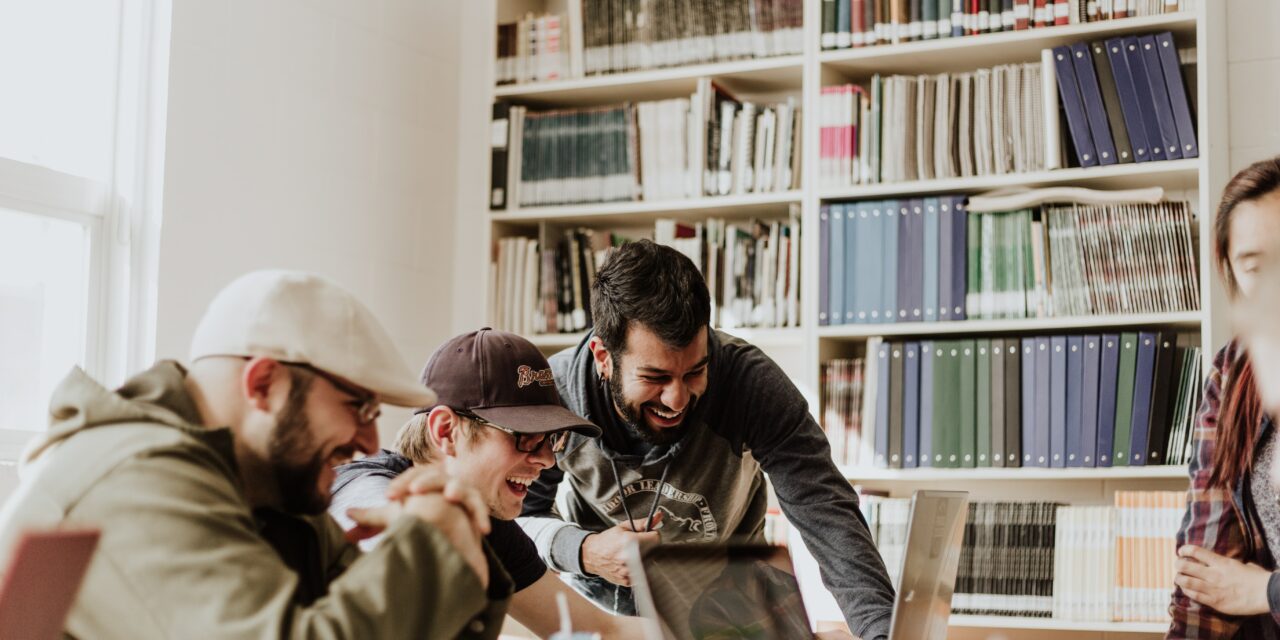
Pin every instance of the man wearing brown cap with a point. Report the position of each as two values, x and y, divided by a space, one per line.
496 424
210 483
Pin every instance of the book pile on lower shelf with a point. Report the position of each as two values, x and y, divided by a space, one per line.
1123 100
1058 401
865 23
1043 559
928 259
752 270
708 144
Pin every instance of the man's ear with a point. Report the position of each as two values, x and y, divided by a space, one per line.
256 380
442 430
604 364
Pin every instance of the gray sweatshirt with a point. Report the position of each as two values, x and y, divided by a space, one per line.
752 420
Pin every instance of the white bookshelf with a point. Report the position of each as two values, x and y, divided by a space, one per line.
801 351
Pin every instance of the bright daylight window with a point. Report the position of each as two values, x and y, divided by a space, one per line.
77 78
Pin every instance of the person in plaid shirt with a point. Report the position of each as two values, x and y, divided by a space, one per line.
1226 586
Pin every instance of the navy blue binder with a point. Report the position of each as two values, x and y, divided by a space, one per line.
882 406
911 405
1160 97
1146 102
889 241
924 447
1143 384
1028 402
1073 105
1089 401
1133 123
1042 446
824 265
1058 401
855 282
914 300
959 256
1178 98
838 258
1074 384
1095 110
945 261
931 254
1109 368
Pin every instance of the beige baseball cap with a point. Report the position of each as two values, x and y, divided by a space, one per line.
299 317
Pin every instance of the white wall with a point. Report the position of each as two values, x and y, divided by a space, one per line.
1253 63
317 135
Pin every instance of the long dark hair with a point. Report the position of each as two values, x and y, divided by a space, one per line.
1240 412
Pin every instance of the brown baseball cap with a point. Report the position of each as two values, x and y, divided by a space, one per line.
502 378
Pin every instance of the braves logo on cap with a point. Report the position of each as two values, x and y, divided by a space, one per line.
526 376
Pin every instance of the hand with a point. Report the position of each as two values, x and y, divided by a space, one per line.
425 479
448 518
605 553
1227 585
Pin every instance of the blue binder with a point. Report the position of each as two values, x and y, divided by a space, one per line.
945 261
1133 123
924 457
836 266
1042 448
889 242
911 405
1089 401
882 406
868 266
1073 104
1095 110
824 265
1160 97
1075 397
959 256
1057 401
914 244
854 281
1178 98
1146 102
1109 368
1143 378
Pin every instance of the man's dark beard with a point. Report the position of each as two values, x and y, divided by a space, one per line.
636 421
297 481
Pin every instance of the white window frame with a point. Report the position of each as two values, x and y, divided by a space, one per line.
121 217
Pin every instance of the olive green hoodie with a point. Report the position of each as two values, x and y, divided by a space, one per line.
183 555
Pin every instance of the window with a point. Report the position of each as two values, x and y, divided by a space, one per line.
84 84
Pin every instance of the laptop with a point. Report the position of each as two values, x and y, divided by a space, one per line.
41 581
700 591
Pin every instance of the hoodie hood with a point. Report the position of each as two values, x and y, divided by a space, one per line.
157 395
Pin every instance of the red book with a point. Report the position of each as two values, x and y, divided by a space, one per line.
857 22
971 21
1061 12
1021 15
1041 15
1119 9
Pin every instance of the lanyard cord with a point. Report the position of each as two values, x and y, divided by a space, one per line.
657 496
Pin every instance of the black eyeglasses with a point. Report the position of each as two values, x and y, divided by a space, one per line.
366 406
525 442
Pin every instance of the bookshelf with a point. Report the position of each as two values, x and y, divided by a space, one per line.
802 350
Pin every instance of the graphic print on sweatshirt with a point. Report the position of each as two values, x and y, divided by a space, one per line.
686 517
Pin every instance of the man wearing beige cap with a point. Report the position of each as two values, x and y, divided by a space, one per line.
497 423
209 484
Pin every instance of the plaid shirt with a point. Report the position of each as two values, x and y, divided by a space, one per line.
1224 522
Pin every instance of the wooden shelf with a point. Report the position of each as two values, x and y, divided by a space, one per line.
760 337
1187 319
1170 174
762 75
636 213
1009 622
972 52
929 474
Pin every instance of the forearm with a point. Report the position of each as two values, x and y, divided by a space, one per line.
559 543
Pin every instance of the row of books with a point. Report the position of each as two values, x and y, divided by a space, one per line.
1039 559
545 289
928 259
752 268
925 127
596 37
864 23
1125 99
1105 400
708 144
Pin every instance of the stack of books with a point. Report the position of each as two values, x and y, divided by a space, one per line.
865 23
1104 400
708 144
1109 563
532 49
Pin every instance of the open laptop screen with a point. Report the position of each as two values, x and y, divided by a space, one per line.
720 592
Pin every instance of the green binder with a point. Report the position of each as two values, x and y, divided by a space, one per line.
968 398
983 404
1124 398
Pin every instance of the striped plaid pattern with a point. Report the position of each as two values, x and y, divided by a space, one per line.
1213 520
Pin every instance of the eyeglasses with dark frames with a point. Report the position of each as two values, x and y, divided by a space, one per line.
525 442
366 406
